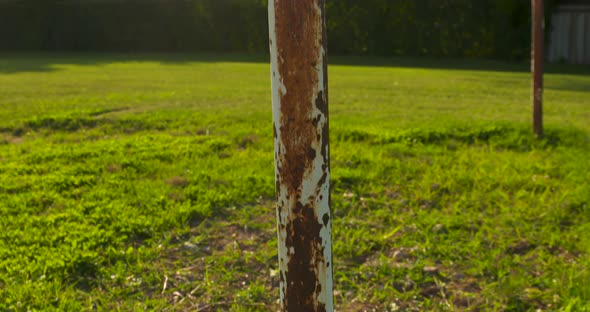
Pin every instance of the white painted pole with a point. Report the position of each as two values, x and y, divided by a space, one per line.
298 47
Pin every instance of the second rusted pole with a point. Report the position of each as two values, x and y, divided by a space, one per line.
537 62
300 120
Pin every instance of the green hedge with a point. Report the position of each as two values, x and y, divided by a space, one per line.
436 28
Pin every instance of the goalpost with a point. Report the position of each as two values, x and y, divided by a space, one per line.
298 46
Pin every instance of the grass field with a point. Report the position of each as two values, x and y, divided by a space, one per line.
133 183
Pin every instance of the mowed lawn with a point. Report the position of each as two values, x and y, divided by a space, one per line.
145 183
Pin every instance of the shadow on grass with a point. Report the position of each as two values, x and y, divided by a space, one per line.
75 123
47 62
457 64
12 63
502 136
499 136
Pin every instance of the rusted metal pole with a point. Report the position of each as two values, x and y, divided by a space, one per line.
538 59
300 119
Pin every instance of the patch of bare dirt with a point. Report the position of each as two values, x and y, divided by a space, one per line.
191 286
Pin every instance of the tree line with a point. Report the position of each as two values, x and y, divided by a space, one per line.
497 29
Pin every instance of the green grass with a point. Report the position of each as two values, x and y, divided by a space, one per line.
146 183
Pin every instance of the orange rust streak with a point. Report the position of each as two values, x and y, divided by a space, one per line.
298 48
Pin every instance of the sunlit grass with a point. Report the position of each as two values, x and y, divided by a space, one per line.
146 183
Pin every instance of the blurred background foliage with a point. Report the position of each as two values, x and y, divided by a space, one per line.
497 29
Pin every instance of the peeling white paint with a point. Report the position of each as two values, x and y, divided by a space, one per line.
277 88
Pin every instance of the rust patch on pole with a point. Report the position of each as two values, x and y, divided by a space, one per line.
300 124
537 62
